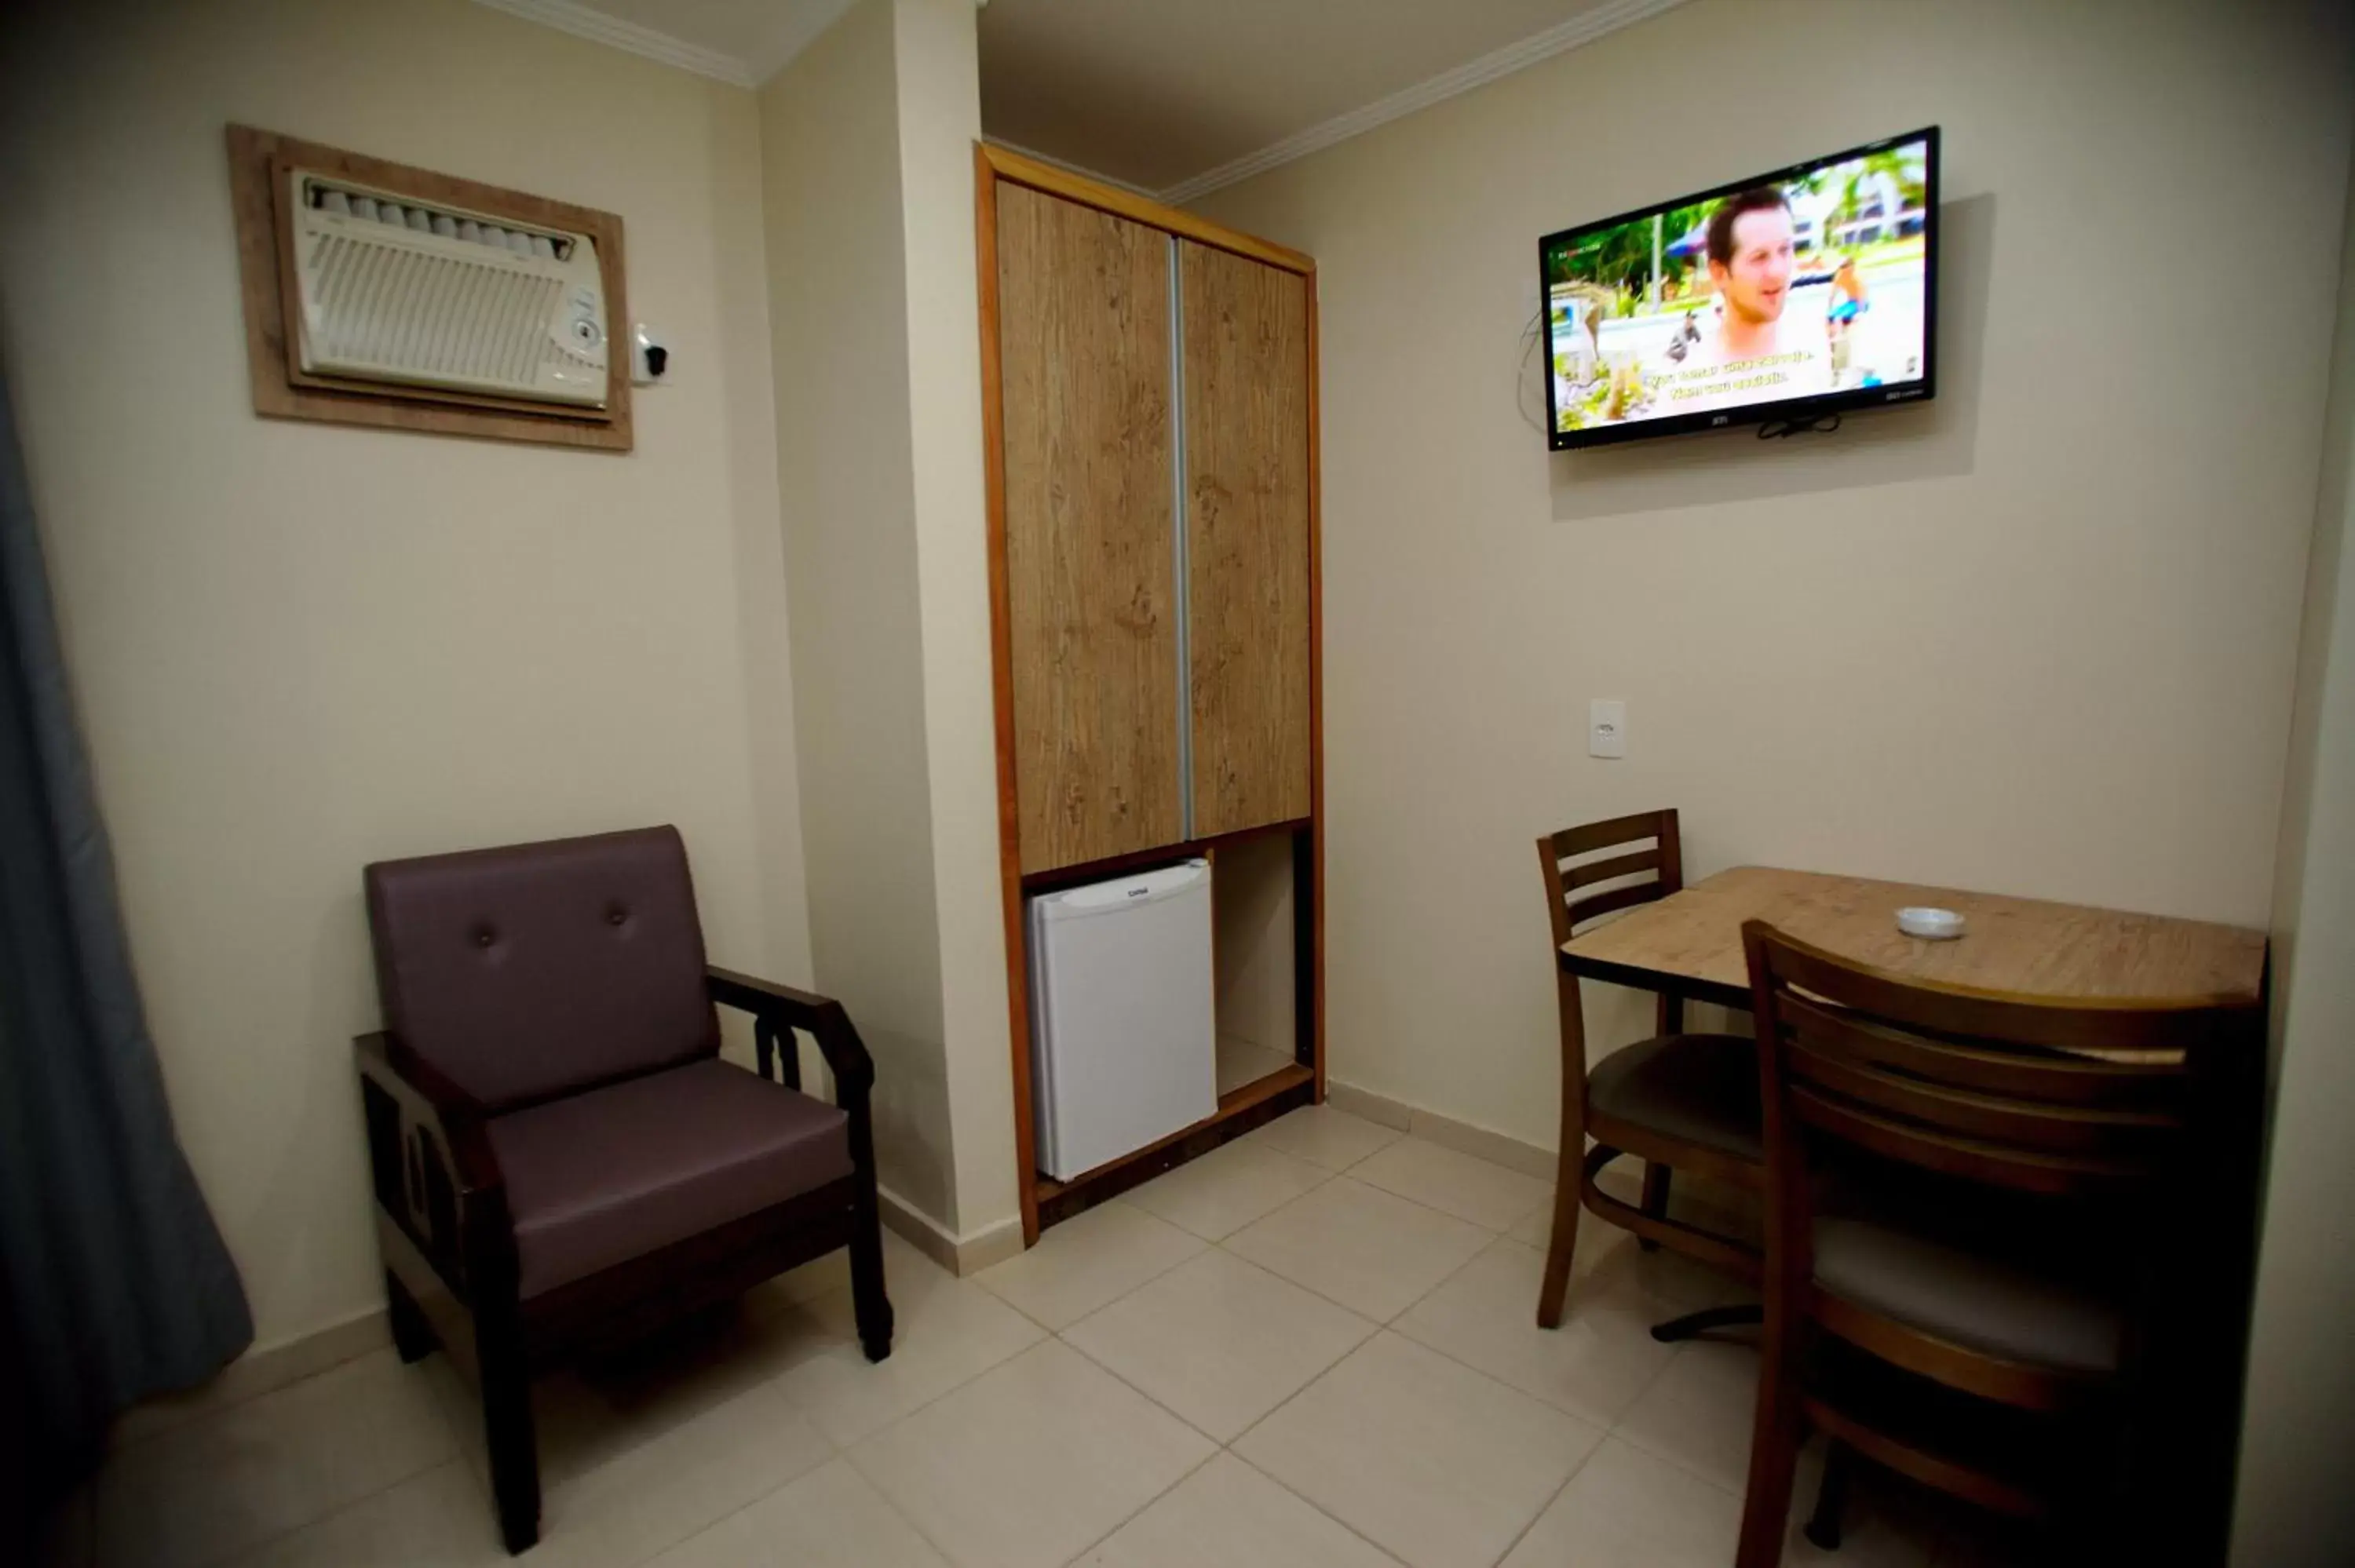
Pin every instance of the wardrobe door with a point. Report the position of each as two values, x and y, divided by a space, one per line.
1091 593
1246 380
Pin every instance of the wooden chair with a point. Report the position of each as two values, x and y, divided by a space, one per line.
1962 1192
562 1161
1677 1101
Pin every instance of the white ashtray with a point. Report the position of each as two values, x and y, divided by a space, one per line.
1930 925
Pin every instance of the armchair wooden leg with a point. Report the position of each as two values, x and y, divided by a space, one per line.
507 1428
1656 1198
412 1336
869 1303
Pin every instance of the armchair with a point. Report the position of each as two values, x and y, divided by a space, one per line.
560 1159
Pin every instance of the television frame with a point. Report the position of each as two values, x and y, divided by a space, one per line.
1795 410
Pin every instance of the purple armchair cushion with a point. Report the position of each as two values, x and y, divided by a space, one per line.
612 1174
530 971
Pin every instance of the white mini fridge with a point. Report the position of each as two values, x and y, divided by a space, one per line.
1124 1042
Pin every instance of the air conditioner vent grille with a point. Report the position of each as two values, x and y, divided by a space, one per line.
397 290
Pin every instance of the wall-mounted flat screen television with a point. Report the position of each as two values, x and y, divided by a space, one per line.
1786 297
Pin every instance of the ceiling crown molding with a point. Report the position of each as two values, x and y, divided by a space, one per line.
582 22
799 37
1582 28
585 22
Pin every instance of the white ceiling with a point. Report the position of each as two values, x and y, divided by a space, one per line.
1158 94
1171 96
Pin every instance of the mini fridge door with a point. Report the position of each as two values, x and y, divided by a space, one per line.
1123 1047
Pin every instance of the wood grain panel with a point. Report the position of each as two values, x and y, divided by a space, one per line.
1083 334
1247 487
1015 168
2012 946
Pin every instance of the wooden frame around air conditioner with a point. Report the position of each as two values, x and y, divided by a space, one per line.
283 390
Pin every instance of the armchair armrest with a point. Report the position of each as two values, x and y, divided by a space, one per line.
438 1176
822 1017
429 1100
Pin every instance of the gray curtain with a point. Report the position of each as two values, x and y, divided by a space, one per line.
113 1282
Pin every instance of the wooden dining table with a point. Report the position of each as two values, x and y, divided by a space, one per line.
1688 944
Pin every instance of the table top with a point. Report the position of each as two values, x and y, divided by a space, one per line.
2022 947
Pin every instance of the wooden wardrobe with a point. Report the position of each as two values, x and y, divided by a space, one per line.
1149 409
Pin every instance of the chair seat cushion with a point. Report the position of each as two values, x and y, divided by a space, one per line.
599 1178
1934 1273
1699 1088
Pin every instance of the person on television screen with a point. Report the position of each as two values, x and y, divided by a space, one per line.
1749 247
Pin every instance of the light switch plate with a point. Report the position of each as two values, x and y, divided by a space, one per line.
1606 728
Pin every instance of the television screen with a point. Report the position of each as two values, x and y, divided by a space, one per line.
1789 296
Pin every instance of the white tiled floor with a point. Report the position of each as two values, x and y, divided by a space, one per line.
1313 1348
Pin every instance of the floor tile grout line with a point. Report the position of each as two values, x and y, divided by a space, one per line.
1321 1296
838 1450
1403 1198
1323 1176
1607 1428
1672 1308
449 1420
240 1402
877 1487
1602 1435
254 1549
1555 1496
713 1524
1493 1237
1418 1345
1494 1233
1226 1442
1252 1264
1217 1448
1396 1133
844 1449
1041 1325
1278 1482
1114 1374
1655 1451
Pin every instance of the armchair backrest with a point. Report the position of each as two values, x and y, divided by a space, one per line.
533 971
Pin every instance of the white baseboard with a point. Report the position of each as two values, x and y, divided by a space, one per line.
959 1255
1467 1138
1723 1208
263 1370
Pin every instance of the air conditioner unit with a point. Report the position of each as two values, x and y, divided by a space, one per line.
420 294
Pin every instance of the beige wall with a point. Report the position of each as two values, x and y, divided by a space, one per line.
868 159
940 119
2037 637
838 345
298 648
2295 1509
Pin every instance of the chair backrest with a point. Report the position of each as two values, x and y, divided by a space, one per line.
534 970
2081 1100
1574 859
